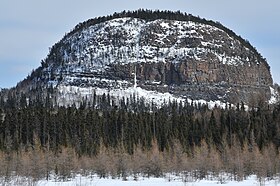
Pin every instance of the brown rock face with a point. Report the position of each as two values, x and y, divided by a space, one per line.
201 79
197 72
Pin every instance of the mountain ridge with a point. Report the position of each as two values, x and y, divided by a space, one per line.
177 53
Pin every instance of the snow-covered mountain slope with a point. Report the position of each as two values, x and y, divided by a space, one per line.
185 56
123 41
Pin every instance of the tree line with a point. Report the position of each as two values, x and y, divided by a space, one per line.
133 124
138 138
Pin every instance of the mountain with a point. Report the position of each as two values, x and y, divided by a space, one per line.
160 55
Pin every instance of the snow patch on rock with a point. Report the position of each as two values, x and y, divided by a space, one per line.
274 96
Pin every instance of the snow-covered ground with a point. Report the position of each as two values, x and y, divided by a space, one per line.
73 94
131 181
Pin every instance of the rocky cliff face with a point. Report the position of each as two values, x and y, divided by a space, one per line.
187 58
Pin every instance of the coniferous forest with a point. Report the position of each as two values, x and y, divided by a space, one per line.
38 138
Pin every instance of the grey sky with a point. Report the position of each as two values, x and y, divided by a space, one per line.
28 28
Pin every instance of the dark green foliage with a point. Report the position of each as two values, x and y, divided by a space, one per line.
126 127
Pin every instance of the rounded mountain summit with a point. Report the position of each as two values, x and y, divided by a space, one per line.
168 52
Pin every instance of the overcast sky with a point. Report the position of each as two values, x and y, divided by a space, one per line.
29 28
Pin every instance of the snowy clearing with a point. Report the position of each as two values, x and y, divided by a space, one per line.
94 180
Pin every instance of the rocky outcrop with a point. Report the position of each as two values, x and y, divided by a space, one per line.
199 80
194 72
190 58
